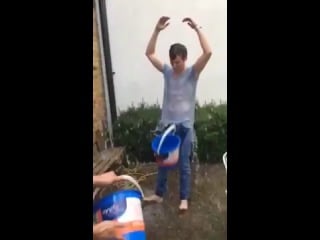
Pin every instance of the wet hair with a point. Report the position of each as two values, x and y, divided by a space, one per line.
178 49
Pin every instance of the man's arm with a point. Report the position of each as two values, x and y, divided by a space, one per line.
104 179
106 230
150 52
206 53
206 50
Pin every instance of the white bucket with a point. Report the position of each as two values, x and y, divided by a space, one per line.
123 206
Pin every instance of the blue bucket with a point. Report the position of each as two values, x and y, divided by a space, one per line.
123 206
166 148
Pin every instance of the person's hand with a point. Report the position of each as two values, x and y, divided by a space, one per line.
190 22
106 230
105 179
162 23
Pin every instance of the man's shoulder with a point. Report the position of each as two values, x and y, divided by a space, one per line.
190 68
166 66
167 69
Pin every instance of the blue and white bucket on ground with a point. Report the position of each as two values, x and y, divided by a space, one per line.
123 206
166 148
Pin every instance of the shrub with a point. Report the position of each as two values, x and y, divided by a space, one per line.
133 129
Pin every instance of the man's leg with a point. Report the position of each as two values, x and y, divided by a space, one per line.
161 186
184 165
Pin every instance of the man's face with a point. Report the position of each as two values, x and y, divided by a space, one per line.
178 64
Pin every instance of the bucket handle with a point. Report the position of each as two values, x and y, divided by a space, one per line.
172 128
224 159
127 178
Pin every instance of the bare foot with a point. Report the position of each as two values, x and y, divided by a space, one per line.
183 205
153 198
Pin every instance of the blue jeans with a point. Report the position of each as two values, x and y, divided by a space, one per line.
184 165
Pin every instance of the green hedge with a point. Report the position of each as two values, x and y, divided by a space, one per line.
133 130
